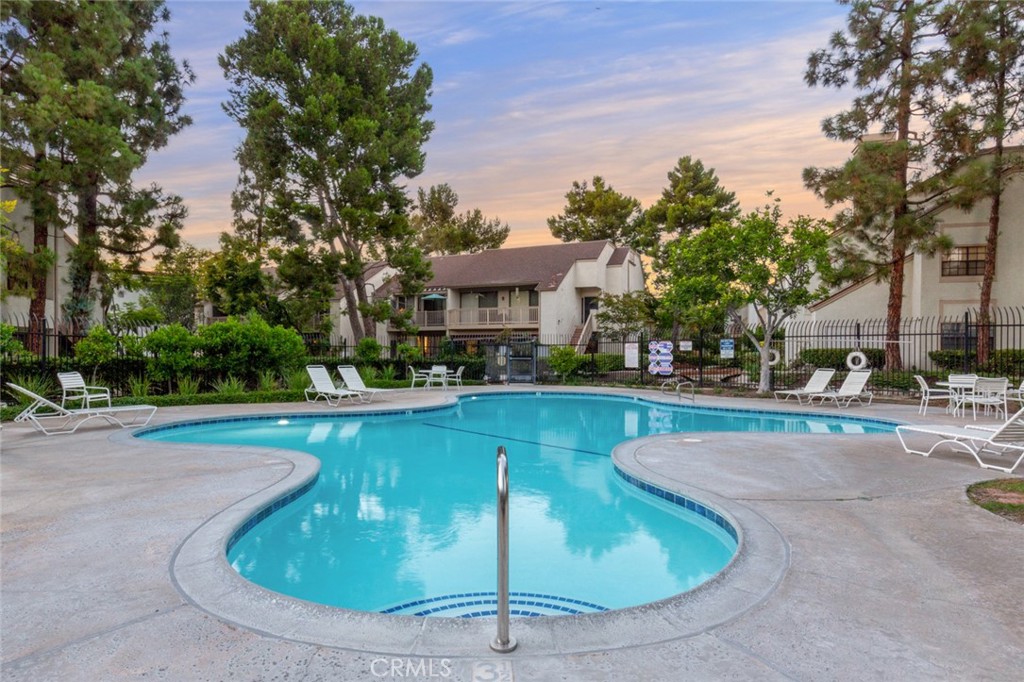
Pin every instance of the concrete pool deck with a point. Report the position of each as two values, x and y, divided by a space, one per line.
876 566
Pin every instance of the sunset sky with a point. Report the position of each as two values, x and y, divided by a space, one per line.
530 96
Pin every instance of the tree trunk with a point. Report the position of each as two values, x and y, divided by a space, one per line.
991 242
85 261
352 307
42 216
894 311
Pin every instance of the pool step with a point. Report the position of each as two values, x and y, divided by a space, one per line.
484 604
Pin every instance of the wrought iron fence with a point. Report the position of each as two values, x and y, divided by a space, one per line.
930 346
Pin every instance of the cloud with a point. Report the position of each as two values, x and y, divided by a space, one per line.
531 96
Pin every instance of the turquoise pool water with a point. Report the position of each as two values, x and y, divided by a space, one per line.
402 517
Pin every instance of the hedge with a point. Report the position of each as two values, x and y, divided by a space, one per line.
836 357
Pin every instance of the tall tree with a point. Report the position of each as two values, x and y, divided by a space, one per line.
757 260
441 231
334 109
173 287
90 88
598 212
891 54
693 200
986 42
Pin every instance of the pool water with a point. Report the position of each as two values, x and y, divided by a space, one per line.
402 517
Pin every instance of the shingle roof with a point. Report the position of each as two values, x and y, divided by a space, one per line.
542 267
619 255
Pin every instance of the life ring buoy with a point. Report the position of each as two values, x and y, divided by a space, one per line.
501 361
773 357
856 360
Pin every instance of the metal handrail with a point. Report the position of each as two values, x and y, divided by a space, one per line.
503 642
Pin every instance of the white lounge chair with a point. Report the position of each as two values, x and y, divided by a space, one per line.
50 418
818 383
1008 439
851 389
354 382
74 389
323 387
456 376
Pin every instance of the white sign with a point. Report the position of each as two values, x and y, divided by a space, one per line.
632 356
727 349
686 346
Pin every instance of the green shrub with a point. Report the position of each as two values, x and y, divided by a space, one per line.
368 350
609 362
1008 362
836 357
230 385
138 386
952 360
564 361
98 347
188 386
243 349
10 347
171 353
266 381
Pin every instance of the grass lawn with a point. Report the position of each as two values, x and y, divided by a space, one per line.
1004 496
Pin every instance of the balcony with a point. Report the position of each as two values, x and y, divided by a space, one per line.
464 318
474 318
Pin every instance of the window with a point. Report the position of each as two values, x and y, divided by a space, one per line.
955 335
488 299
534 299
964 260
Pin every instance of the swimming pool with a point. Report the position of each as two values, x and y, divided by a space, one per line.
401 519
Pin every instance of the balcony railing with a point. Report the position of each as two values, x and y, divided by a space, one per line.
494 317
463 318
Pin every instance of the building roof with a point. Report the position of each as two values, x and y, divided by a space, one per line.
539 267
619 255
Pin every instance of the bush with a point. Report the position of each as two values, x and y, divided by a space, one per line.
836 357
368 350
564 361
98 347
1008 362
171 352
246 348
10 347
952 359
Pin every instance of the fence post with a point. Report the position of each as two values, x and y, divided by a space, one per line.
966 340
700 358
44 345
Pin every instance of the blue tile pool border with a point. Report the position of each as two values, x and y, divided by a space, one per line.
682 501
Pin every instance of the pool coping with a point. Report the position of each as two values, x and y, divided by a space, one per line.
201 572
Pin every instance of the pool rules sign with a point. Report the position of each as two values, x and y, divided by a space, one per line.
659 357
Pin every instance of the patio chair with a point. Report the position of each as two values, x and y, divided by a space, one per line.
51 419
1016 394
438 374
456 376
851 389
417 375
928 394
354 382
818 383
73 388
988 393
323 387
1008 439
